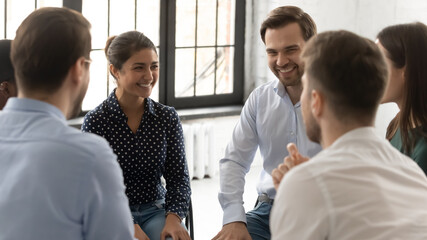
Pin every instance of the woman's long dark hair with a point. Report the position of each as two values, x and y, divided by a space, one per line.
406 45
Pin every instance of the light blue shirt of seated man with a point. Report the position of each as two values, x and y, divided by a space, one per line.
269 121
55 181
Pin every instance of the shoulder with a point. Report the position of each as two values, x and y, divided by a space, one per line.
261 95
95 117
99 111
421 144
419 153
265 94
265 88
68 144
158 107
88 144
163 111
92 157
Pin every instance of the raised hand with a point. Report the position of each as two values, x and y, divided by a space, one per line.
294 159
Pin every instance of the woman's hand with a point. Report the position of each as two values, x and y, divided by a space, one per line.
139 234
174 229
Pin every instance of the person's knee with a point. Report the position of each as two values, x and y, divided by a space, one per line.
154 226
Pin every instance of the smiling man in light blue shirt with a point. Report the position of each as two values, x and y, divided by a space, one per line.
270 119
56 182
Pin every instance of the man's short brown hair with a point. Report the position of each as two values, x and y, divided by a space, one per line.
349 70
47 43
281 16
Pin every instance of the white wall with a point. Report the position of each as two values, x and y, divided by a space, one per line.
364 17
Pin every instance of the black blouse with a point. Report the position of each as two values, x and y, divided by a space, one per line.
156 150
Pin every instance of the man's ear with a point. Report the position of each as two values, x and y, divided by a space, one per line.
78 69
317 103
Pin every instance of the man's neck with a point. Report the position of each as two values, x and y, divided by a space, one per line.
57 99
294 93
332 129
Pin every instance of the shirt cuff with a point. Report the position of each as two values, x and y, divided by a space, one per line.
234 213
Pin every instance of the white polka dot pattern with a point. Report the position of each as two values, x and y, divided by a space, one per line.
156 150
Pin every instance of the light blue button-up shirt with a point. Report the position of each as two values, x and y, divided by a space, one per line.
269 121
55 181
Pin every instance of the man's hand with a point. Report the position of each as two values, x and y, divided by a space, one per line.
174 229
139 234
294 159
233 231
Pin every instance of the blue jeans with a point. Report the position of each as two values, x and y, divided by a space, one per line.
258 221
151 218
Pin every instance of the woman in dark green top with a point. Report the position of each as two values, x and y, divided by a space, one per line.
405 48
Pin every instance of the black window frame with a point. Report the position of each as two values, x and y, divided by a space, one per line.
167 58
167 54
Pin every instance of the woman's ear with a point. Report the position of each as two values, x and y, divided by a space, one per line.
403 72
114 71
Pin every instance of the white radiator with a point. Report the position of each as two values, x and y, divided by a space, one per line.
200 149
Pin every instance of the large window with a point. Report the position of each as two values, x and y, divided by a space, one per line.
204 53
13 12
200 45
109 18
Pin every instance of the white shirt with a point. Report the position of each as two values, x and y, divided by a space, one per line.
269 121
358 188
55 181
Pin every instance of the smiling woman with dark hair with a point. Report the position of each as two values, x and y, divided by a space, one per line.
405 48
147 138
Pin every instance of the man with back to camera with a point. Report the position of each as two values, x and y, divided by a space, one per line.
270 119
56 182
359 186
7 79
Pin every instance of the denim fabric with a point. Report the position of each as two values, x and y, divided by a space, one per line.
151 218
258 221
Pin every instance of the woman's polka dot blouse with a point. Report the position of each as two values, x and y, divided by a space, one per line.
156 150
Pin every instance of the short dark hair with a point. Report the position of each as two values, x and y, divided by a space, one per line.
350 70
118 49
285 15
47 43
6 68
406 46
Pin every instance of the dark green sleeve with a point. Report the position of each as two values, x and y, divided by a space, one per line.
420 154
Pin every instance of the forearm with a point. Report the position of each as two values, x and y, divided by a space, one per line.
230 196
